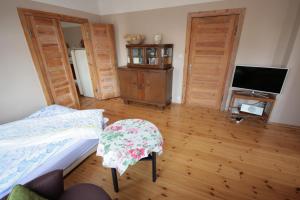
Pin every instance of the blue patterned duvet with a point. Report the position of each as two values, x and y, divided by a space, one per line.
26 144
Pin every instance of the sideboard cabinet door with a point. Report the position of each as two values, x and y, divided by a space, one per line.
129 84
154 86
150 86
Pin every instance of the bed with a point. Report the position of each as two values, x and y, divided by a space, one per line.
54 137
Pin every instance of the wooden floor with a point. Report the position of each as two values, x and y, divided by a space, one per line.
206 156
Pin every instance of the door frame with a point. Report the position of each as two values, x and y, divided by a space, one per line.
85 31
240 12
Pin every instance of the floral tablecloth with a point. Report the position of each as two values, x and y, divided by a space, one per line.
125 142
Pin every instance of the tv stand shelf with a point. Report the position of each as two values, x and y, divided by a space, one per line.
267 99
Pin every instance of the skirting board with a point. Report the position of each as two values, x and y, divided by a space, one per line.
284 125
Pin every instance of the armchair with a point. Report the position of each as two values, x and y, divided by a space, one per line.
51 186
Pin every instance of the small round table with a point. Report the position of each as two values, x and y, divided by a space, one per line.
125 142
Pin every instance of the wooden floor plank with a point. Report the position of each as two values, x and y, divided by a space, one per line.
206 156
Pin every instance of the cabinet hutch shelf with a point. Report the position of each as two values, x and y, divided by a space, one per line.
153 56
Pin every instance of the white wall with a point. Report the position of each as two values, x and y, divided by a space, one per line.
120 6
287 107
20 89
104 7
264 40
72 36
90 6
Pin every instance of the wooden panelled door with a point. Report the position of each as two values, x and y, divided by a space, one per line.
49 46
105 60
210 51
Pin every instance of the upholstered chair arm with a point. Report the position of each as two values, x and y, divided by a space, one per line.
50 185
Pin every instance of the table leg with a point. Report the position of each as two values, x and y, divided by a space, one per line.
153 166
115 179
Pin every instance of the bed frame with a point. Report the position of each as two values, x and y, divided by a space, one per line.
79 161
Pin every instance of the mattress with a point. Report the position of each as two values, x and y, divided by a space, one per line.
52 138
62 160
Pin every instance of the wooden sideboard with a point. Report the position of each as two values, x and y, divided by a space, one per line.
149 86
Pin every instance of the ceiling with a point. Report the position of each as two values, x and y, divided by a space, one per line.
105 7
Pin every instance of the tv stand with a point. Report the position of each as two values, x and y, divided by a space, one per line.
259 94
254 93
267 99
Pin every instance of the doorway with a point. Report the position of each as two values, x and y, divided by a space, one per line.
78 60
211 45
61 83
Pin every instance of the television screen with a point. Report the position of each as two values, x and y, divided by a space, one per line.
259 78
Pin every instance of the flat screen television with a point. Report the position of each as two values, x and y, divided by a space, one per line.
264 79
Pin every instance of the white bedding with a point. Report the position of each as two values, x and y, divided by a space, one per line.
37 144
63 159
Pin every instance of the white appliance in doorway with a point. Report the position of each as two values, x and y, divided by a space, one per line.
82 71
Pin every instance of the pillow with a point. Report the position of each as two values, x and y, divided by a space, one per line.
20 192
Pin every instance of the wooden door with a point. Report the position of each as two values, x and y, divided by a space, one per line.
105 60
49 46
210 51
129 84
